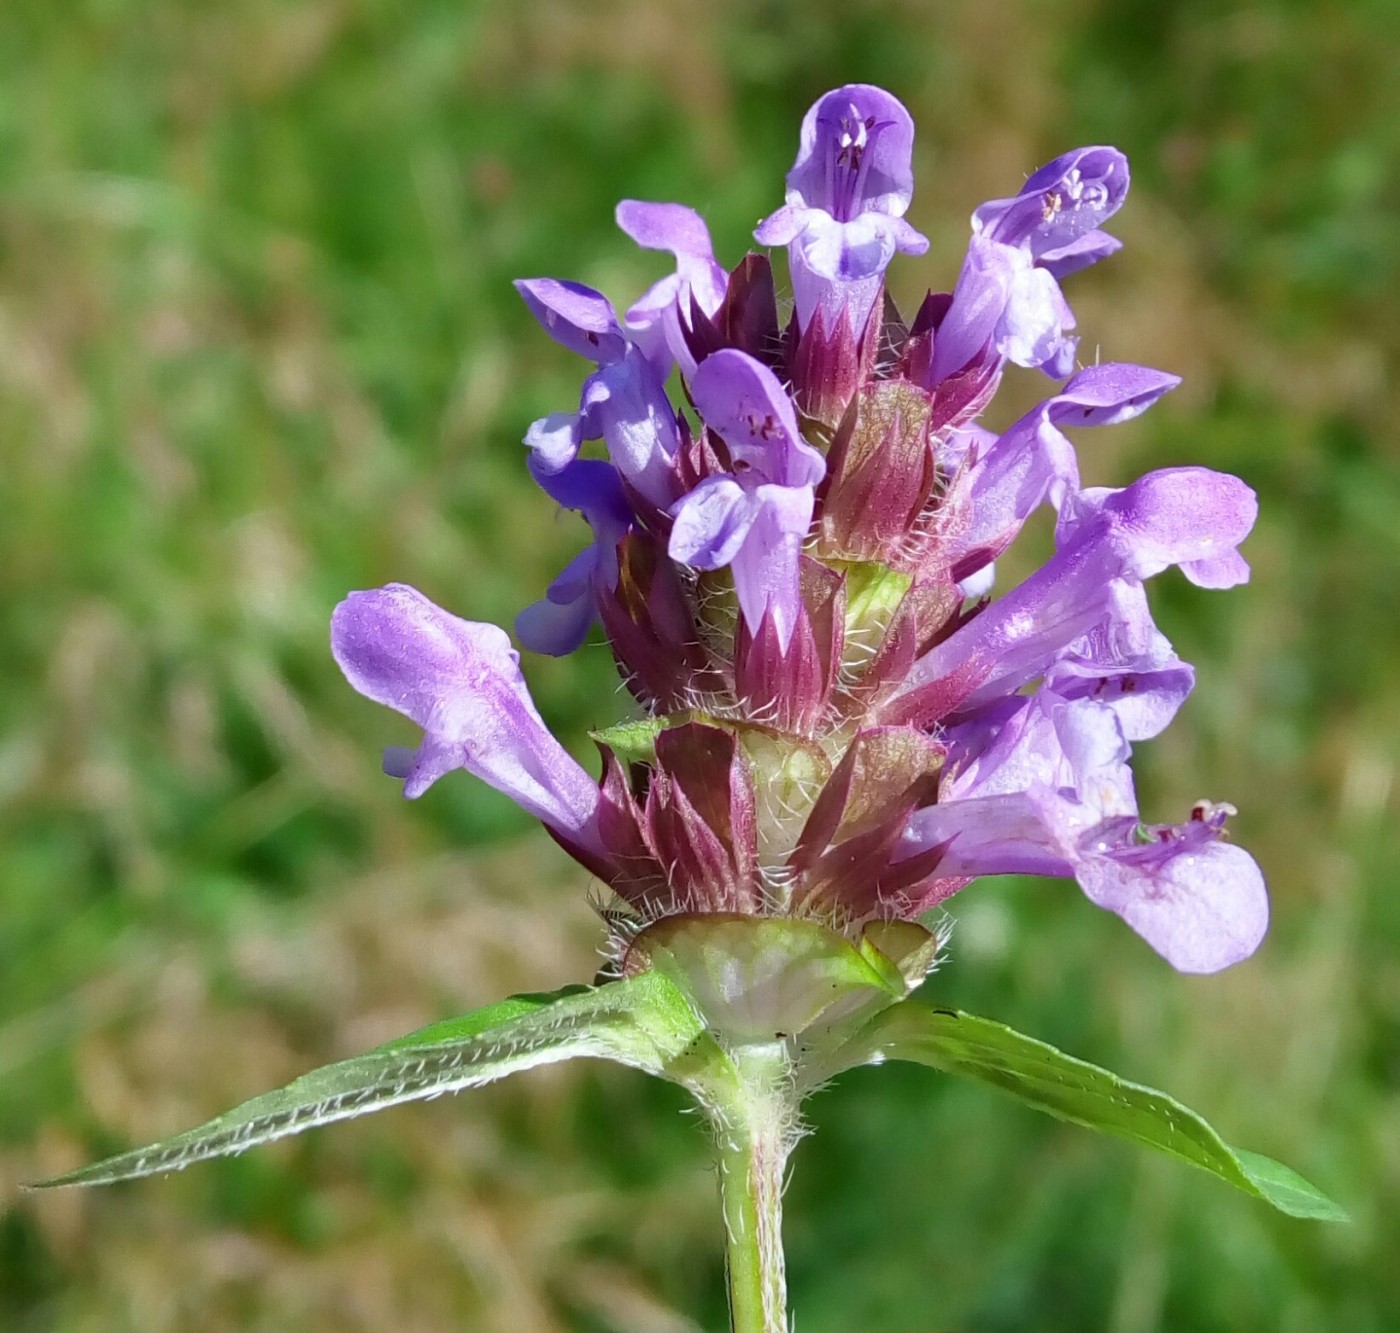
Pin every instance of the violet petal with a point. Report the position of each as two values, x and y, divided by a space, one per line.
624 403
744 403
1199 903
711 523
855 154
1065 200
766 567
575 316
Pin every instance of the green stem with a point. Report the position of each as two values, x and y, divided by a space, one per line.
753 1135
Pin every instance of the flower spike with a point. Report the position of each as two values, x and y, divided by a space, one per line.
795 567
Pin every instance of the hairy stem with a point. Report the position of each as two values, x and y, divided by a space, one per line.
754 1132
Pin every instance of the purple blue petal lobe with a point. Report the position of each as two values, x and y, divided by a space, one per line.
793 557
855 156
1062 203
576 317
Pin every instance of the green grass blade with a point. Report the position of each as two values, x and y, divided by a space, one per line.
1048 1079
642 1022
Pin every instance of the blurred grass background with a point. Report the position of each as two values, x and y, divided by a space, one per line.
258 346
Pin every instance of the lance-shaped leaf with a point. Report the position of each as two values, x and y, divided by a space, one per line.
1041 1076
643 1021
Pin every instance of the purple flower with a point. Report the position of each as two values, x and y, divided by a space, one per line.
576 317
658 320
1199 901
846 198
1003 479
460 681
1007 303
1142 681
745 405
1042 786
1058 211
1108 542
755 517
624 404
967 330
581 319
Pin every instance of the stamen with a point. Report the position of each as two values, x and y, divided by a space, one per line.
850 161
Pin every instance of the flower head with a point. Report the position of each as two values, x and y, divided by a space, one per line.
794 564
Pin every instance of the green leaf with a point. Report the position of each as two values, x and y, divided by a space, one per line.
1048 1079
1283 1187
644 1022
